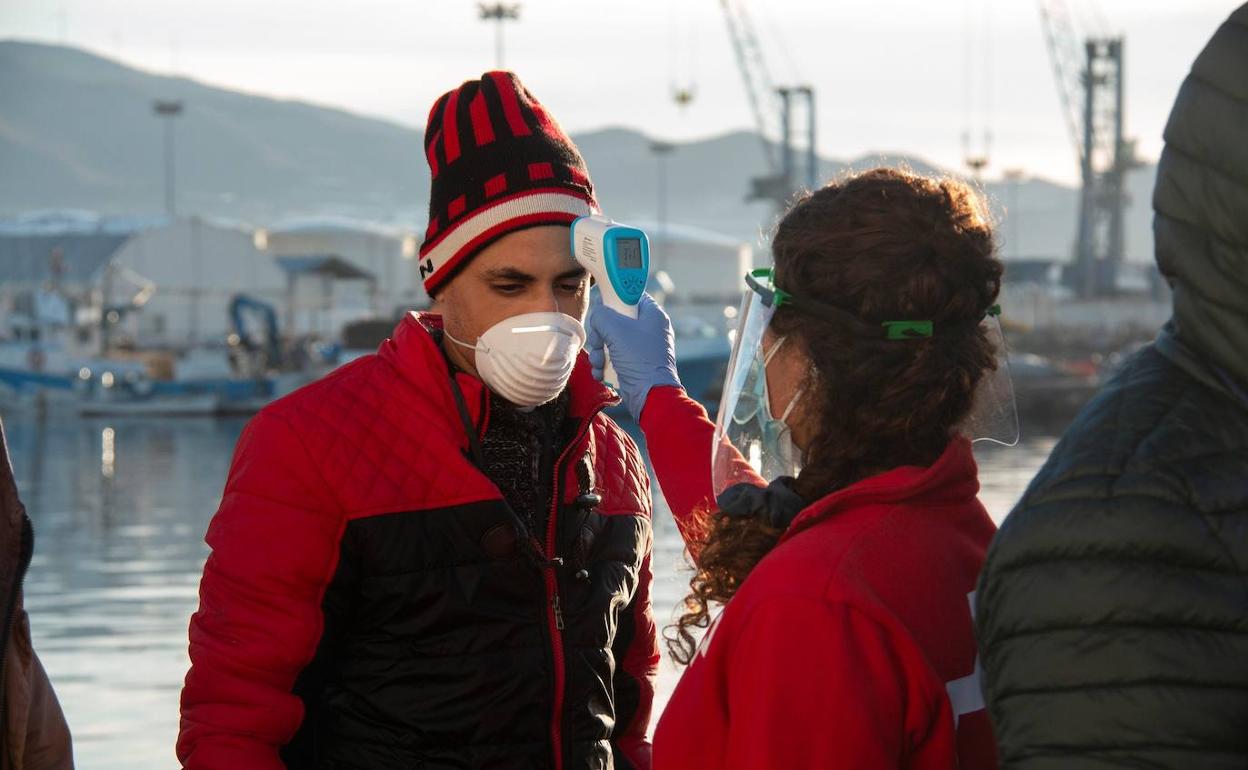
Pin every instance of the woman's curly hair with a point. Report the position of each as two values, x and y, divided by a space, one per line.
884 245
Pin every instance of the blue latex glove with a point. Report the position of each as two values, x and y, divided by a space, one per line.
643 351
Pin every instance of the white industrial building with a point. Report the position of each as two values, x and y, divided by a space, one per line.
702 266
386 253
173 280
196 267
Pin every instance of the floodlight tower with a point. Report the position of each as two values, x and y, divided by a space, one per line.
167 110
499 13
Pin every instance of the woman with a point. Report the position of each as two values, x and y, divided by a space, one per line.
845 639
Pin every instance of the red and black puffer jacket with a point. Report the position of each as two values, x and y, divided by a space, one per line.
367 605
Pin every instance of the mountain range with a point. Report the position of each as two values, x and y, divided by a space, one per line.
77 130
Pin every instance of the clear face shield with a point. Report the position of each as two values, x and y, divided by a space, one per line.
747 445
753 445
994 412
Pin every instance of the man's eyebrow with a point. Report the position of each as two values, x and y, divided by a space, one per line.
519 276
509 274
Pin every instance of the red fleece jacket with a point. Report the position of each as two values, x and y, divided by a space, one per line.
851 644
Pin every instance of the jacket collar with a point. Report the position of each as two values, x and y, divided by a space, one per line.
953 478
415 353
1179 353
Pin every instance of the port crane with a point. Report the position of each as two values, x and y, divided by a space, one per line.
1090 80
775 111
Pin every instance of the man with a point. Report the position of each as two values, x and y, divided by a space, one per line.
33 733
439 556
1113 608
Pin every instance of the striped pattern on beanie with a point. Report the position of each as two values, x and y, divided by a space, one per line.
499 163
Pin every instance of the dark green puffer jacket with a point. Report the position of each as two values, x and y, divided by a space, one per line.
1112 611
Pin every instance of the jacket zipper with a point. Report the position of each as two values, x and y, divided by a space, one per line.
554 613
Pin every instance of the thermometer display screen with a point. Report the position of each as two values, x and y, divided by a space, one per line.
628 251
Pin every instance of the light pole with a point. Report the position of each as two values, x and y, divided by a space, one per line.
167 110
661 150
1013 176
499 13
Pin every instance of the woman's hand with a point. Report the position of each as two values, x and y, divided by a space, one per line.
643 350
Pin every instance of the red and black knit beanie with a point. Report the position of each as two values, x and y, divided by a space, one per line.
499 163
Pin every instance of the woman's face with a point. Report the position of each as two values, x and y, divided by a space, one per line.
786 372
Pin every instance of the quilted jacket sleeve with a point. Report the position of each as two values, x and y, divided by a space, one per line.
638 656
1110 615
274 547
678 438
1106 644
636 646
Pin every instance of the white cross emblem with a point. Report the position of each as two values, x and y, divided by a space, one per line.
965 694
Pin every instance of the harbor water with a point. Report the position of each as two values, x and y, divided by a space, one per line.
120 508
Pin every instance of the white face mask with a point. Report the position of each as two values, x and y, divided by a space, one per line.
776 433
528 359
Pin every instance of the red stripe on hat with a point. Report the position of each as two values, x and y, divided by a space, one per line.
432 228
496 185
435 281
433 110
578 176
540 171
431 152
511 106
482 131
450 128
548 126
456 207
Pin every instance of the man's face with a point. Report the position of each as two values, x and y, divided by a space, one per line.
528 271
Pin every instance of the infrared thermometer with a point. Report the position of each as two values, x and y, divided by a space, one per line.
618 257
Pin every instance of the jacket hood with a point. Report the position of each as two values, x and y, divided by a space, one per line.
1201 202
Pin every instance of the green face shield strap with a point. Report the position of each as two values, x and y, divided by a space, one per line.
748 446
775 297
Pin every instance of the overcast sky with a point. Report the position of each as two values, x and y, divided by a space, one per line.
891 75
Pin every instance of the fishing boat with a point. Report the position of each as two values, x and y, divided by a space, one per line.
50 363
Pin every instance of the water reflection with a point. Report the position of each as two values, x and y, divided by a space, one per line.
108 453
120 508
